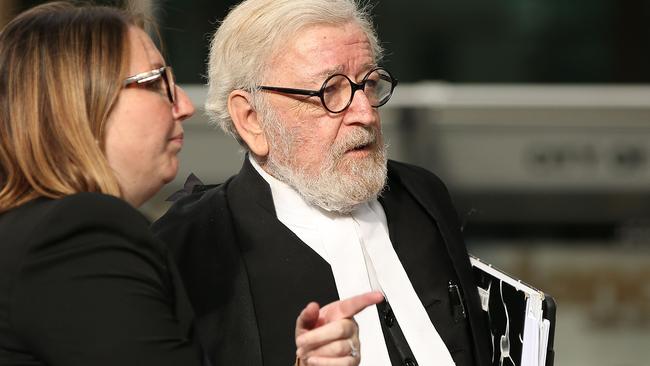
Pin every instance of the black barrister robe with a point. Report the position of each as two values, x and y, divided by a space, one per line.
248 276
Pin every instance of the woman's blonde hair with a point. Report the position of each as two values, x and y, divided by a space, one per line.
61 69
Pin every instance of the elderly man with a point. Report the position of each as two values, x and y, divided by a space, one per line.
316 211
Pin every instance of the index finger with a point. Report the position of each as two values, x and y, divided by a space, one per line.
349 307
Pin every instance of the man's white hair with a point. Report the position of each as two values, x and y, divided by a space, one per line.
254 32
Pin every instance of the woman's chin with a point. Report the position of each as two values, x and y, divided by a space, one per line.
170 173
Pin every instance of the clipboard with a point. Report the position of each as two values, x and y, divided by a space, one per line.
520 318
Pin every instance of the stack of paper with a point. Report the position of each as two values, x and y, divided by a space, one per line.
521 318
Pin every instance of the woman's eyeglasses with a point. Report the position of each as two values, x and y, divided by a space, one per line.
152 77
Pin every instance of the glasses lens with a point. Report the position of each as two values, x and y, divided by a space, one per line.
337 93
171 84
379 87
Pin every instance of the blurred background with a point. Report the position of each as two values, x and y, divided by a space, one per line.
536 113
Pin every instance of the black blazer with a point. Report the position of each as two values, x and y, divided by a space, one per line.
83 282
248 276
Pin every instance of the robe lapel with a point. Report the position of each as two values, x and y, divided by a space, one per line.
411 242
427 199
436 202
285 274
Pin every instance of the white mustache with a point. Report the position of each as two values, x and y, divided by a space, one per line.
359 137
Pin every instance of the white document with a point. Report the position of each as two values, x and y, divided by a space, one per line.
514 312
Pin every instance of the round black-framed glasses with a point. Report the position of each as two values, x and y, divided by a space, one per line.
338 90
164 73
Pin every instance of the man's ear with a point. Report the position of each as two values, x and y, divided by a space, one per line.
247 122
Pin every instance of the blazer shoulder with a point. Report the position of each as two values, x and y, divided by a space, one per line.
48 224
96 206
415 176
92 212
426 187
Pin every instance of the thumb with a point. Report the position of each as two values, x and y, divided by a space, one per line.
308 318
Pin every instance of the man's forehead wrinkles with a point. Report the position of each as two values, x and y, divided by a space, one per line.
322 51
362 42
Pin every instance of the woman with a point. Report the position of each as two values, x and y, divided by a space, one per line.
90 127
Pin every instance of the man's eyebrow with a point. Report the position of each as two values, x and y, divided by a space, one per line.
366 68
321 76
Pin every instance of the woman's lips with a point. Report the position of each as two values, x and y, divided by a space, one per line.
178 139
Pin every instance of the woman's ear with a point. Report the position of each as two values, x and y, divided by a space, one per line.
247 122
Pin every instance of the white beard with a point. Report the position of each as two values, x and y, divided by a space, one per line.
339 183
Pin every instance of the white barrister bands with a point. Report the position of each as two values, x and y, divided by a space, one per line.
425 342
342 238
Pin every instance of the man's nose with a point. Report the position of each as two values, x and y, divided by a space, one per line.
360 110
